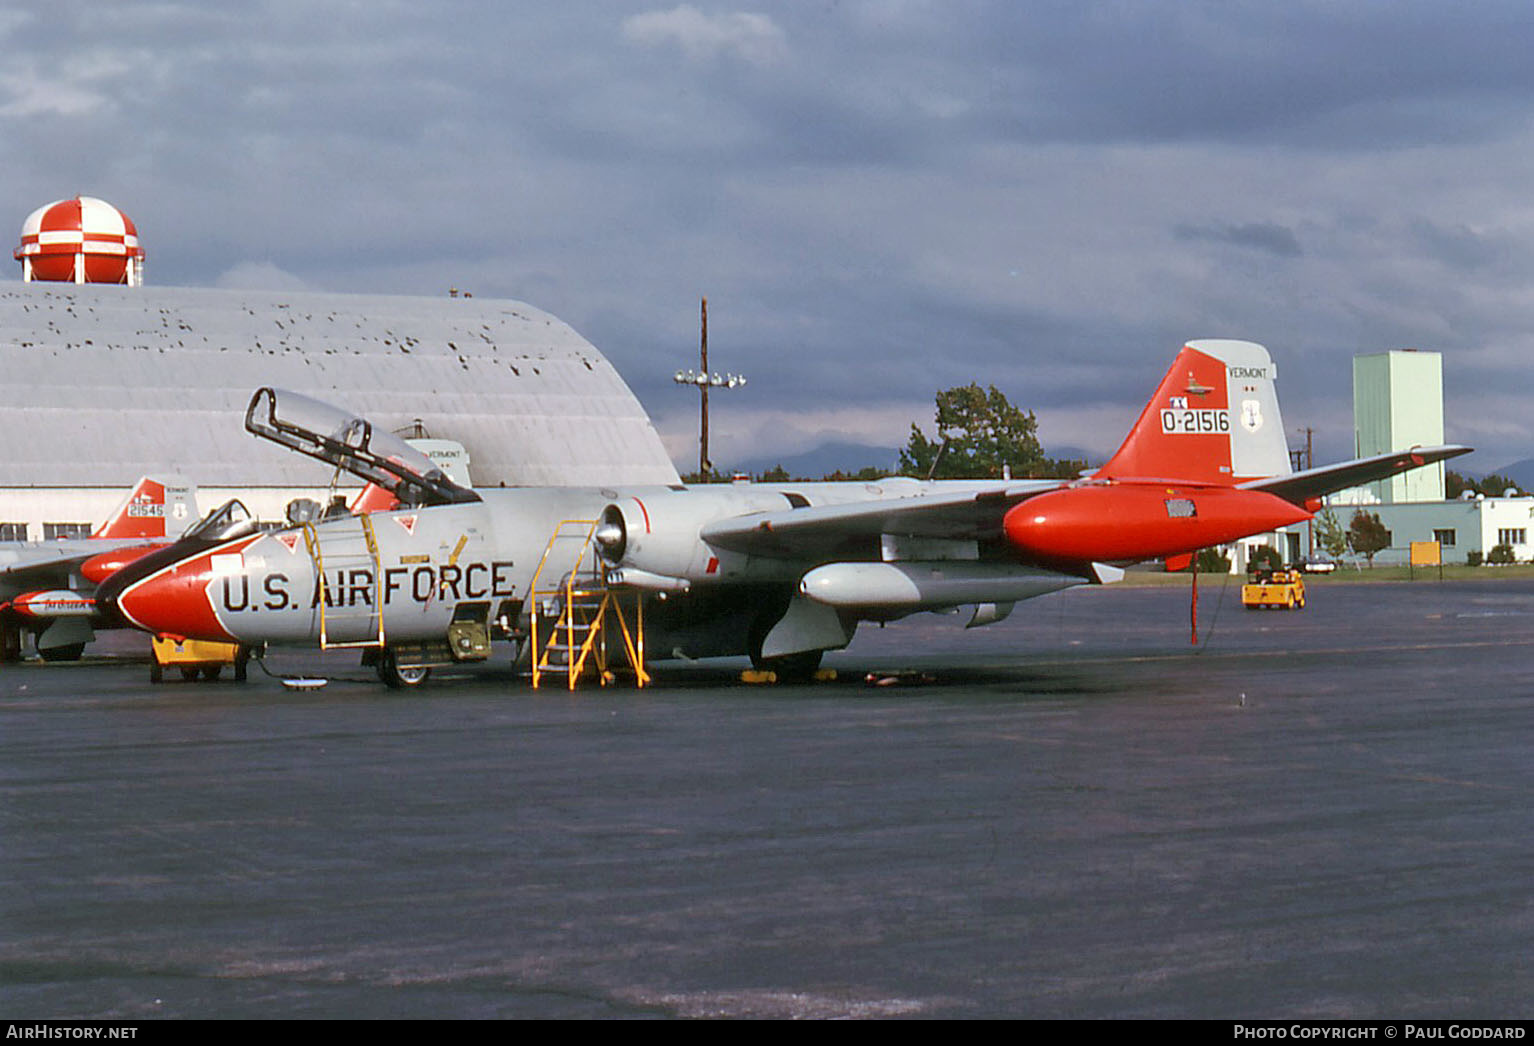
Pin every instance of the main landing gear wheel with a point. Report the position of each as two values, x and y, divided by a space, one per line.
788 668
396 676
72 652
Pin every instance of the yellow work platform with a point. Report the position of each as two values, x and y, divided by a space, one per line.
194 657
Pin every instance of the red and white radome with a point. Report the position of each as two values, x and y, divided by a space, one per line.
80 240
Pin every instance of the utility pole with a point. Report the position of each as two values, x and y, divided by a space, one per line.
1300 460
704 380
705 465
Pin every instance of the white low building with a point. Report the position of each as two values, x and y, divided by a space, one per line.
1461 528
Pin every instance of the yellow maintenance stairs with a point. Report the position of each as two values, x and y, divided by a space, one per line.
579 626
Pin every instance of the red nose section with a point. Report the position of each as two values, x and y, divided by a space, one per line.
178 600
100 567
1129 522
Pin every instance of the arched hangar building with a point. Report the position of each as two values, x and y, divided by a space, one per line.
104 383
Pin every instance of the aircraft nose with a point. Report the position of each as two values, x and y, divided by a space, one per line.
177 599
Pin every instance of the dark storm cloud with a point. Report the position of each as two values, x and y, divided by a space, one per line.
1272 239
1464 248
880 198
1319 74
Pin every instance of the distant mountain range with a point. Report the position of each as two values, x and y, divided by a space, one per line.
824 460
1520 472
848 458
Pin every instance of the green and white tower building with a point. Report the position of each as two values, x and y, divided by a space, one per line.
1397 405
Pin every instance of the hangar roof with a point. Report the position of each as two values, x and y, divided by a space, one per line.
104 383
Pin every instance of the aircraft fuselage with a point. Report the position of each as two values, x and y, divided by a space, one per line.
419 569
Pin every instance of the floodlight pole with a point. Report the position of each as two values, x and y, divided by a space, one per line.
705 466
703 380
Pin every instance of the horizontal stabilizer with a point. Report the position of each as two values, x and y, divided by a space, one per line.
1300 487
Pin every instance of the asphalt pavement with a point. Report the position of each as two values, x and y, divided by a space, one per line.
1074 813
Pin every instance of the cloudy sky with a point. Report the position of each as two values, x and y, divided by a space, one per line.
880 199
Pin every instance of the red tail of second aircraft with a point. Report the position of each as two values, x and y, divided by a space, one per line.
155 508
374 499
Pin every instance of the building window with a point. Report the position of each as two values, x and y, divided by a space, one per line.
1512 536
13 532
1445 538
60 531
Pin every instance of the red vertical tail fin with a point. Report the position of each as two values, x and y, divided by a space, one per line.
1214 420
155 508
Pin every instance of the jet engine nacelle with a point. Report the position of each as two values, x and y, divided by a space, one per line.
658 535
1116 522
103 565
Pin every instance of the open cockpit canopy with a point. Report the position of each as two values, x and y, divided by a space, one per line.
350 442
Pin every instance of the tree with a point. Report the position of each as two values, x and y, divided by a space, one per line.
1367 535
983 432
1329 535
1493 485
1264 557
868 474
1211 561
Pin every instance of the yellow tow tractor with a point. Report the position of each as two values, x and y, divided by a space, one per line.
194 657
1273 588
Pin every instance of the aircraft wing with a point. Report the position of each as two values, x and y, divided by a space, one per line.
51 564
1299 487
974 512
977 512
155 510
30 565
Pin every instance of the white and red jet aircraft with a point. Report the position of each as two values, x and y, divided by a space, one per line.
47 587
781 572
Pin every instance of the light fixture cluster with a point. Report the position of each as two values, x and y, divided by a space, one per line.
691 377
